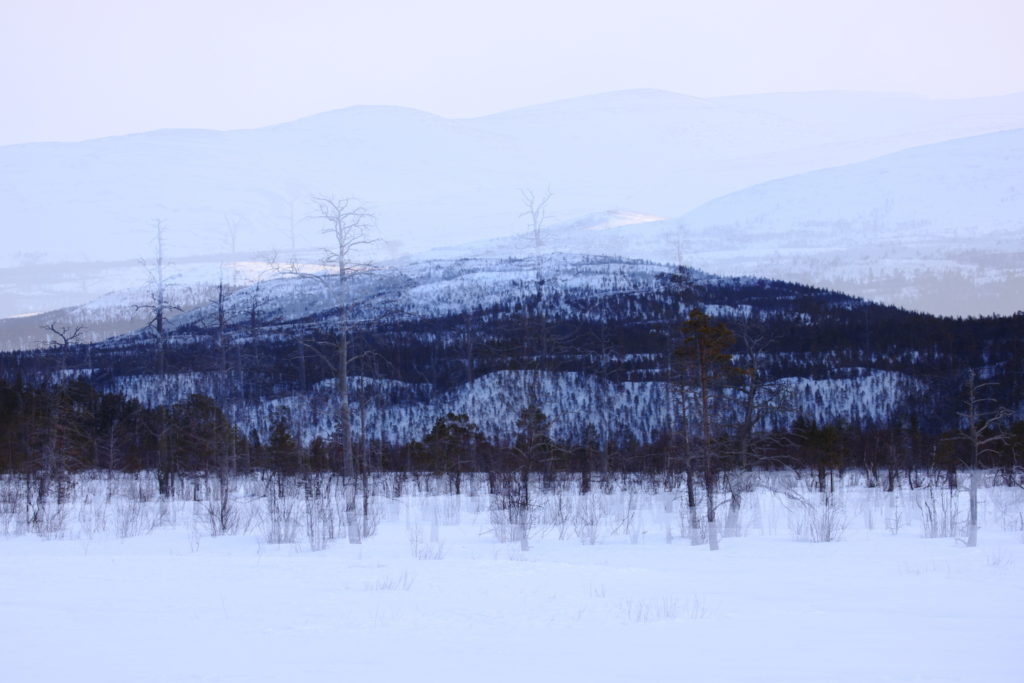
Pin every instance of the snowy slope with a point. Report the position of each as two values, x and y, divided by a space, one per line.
402 408
938 228
575 401
432 181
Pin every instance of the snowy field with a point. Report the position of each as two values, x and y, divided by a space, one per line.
116 585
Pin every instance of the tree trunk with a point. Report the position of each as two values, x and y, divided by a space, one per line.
524 509
709 493
972 510
732 520
691 504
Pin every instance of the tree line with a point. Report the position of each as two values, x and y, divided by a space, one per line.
50 429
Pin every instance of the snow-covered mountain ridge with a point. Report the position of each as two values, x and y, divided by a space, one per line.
431 181
937 228
465 335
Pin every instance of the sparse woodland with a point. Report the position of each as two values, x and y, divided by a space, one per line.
610 378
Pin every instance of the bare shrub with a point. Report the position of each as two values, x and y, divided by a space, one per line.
940 512
693 525
282 517
131 517
424 550
558 512
12 503
500 522
818 518
372 517
587 517
319 512
664 609
814 515
512 515
632 521
999 560
219 510
1007 505
402 582
820 523
50 518
450 512
894 522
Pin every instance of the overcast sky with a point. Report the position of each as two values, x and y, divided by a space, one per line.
77 69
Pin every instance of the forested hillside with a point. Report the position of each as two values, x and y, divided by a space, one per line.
588 348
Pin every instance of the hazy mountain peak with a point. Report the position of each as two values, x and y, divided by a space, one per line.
616 99
434 181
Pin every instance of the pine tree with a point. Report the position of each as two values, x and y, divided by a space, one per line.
705 366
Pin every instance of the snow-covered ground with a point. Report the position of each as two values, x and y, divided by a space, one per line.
126 588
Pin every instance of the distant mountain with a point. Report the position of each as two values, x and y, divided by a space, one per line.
937 228
432 181
191 282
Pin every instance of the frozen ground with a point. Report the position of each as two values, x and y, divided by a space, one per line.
121 587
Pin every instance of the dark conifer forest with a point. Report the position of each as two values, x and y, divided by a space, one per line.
473 359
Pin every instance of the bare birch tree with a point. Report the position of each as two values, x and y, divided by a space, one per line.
348 225
536 214
159 307
760 400
535 345
982 429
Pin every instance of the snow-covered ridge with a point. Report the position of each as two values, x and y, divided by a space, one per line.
578 287
937 228
438 287
435 181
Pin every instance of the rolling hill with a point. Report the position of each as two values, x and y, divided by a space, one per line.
431 181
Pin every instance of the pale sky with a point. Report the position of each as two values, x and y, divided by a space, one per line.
77 69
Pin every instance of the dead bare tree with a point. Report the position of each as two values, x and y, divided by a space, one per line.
57 437
535 210
159 306
760 400
64 336
348 225
982 429
536 214
226 448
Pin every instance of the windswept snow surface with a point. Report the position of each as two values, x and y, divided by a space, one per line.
134 590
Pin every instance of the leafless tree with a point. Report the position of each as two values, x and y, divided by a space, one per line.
982 429
159 306
759 400
348 225
231 227
55 441
535 211
64 336
226 448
